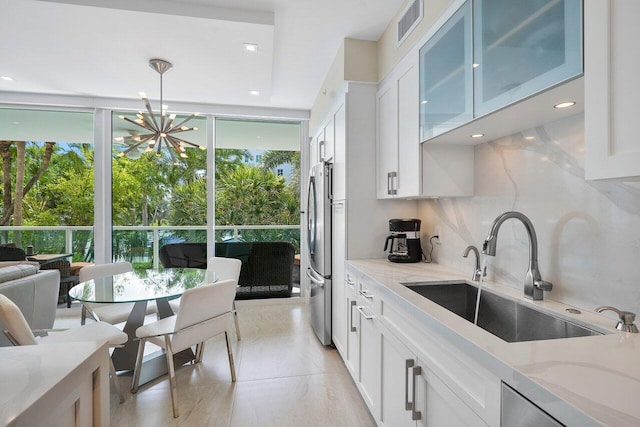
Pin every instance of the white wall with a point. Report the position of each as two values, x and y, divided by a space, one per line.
588 231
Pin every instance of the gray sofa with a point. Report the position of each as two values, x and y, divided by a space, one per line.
35 292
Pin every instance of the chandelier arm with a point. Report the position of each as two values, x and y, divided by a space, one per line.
167 127
153 116
186 120
180 142
131 148
142 125
181 129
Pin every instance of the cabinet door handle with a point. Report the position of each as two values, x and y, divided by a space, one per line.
415 415
366 294
349 282
321 150
394 190
388 183
360 308
408 406
351 305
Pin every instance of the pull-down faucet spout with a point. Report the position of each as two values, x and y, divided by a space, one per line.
533 283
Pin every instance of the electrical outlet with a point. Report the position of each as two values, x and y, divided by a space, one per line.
438 232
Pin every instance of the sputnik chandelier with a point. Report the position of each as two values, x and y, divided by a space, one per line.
161 130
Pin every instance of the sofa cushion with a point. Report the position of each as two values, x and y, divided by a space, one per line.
16 272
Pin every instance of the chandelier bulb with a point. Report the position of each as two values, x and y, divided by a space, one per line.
183 155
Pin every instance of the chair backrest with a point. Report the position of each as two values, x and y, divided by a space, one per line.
184 255
103 270
224 269
202 310
15 323
271 263
11 253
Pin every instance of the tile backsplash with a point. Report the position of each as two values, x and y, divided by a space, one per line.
588 231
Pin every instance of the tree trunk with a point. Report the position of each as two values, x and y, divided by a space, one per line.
9 205
5 153
19 190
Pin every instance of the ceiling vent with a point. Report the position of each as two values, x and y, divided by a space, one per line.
409 19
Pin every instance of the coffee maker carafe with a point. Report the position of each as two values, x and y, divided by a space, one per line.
404 240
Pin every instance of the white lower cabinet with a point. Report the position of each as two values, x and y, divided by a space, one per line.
352 357
369 377
412 395
409 379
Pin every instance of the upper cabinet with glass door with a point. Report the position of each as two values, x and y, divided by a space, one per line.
446 98
494 53
522 47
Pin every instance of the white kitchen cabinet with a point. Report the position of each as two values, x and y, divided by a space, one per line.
338 282
406 168
502 74
398 149
412 395
387 140
446 76
352 358
612 147
313 149
369 343
327 144
523 47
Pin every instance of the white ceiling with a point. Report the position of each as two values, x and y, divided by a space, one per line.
101 48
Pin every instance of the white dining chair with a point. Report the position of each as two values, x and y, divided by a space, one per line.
110 313
204 312
19 333
220 268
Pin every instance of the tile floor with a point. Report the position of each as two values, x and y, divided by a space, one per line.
285 377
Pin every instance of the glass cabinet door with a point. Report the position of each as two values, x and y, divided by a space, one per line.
446 76
522 47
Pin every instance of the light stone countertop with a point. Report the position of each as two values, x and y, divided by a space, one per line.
30 373
597 375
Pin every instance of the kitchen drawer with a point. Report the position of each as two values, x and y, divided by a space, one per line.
368 294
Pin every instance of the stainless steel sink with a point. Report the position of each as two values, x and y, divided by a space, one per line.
507 319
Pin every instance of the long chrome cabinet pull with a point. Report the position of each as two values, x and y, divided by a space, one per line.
393 190
351 305
388 182
407 404
415 415
360 308
366 294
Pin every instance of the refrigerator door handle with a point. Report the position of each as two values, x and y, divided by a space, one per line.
314 279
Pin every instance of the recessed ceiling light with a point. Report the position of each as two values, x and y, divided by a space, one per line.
7 78
529 138
476 65
477 135
250 47
254 92
565 104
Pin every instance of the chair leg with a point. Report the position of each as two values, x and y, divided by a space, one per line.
199 352
235 320
172 376
232 366
83 315
116 383
138 366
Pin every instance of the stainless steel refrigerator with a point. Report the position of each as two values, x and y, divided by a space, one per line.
319 244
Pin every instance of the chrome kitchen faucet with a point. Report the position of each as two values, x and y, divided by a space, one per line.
533 283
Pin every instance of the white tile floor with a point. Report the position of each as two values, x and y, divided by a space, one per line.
285 378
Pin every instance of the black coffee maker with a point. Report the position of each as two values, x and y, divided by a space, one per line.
404 240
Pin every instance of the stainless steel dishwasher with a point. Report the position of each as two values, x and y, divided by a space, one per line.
518 411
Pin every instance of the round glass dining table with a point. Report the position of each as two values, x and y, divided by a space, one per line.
140 287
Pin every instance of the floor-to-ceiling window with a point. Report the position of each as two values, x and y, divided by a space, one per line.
47 191
257 180
159 192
